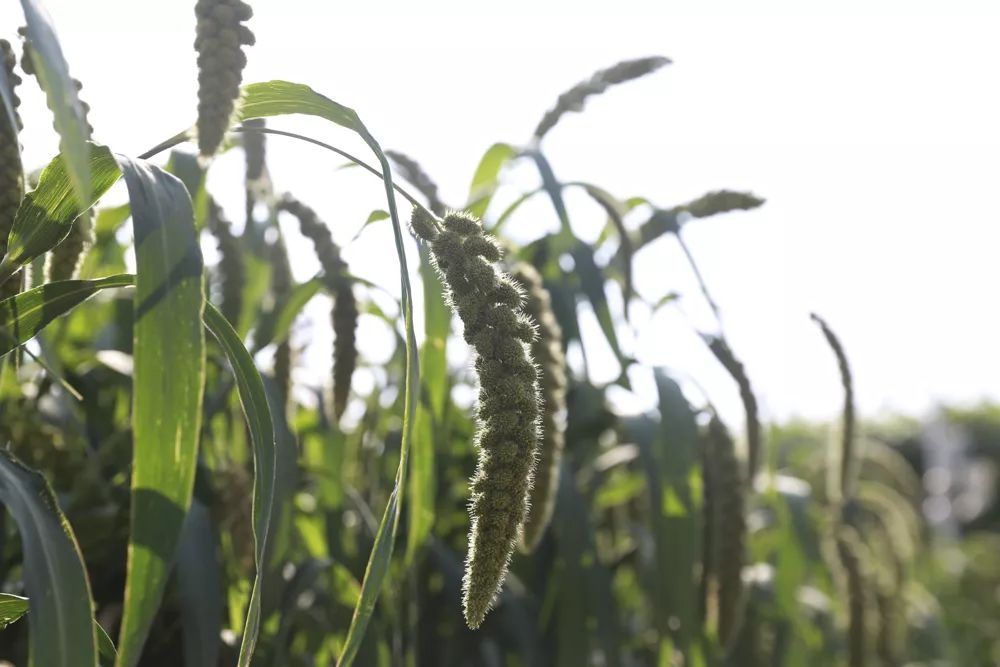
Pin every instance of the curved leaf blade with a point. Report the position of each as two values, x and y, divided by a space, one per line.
46 214
61 627
254 401
60 90
199 583
24 315
282 97
168 387
487 176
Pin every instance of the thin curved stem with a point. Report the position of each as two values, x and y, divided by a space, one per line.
701 280
181 137
356 160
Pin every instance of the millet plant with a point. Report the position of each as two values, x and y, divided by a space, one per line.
180 498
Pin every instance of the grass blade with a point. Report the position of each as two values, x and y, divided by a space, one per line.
46 214
258 414
12 608
24 315
199 582
281 97
61 628
487 177
60 90
168 386
670 462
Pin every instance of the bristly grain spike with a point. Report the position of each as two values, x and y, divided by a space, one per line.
338 282
845 470
547 352
726 529
508 408
220 39
725 356
574 98
231 269
281 288
415 174
11 168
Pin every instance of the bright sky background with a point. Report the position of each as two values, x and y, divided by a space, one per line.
871 127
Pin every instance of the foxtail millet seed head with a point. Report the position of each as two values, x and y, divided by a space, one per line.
63 261
337 280
725 487
547 352
415 174
855 587
11 171
574 98
507 415
231 269
725 356
220 39
281 288
841 488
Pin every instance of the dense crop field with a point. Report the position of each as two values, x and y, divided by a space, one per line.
179 490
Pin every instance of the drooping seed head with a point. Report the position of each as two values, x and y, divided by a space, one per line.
507 414
220 39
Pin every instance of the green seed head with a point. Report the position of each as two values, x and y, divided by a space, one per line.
219 42
508 408
64 260
540 324
338 283
231 269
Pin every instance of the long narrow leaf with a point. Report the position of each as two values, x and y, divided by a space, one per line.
24 315
61 628
281 97
199 583
487 177
46 214
254 401
168 386
60 89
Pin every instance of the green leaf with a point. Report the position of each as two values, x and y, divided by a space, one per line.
275 326
586 614
553 188
199 584
254 401
12 607
61 628
592 283
60 91
616 211
668 452
487 177
674 472
375 216
46 214
430 411
168 386
281 97
512 208
106 652
109 220
24 315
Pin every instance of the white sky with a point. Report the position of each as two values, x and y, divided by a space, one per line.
870 127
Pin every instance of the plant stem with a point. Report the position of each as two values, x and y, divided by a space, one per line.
700 279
